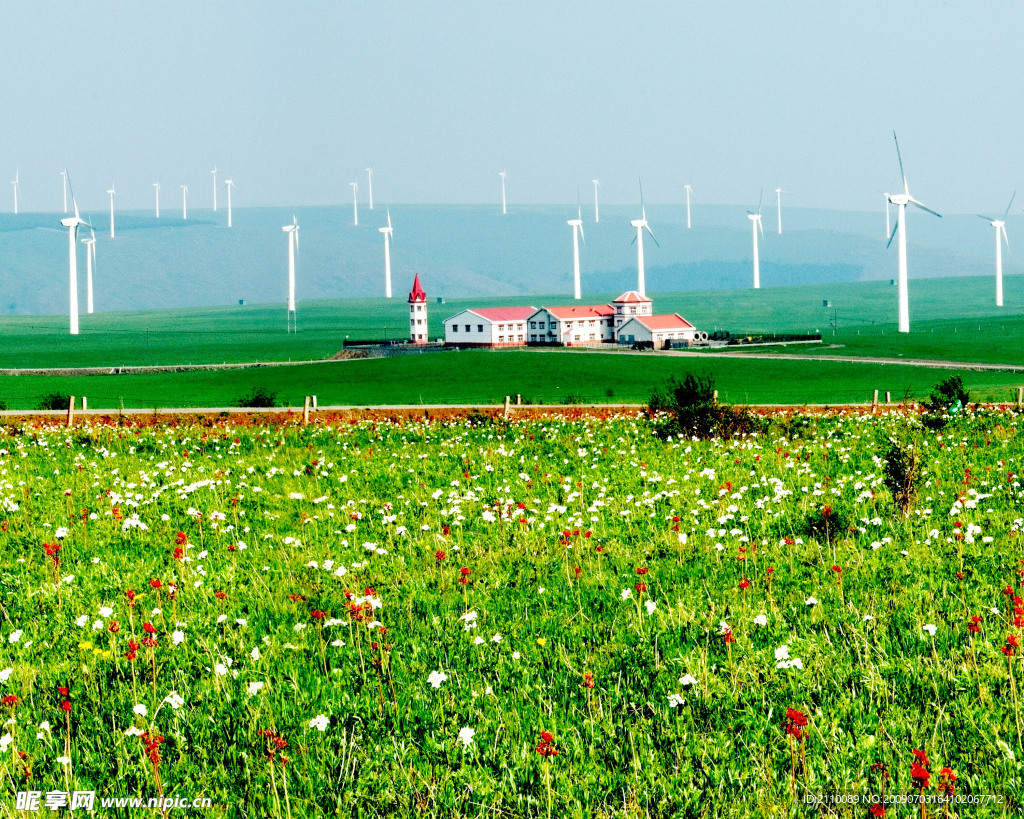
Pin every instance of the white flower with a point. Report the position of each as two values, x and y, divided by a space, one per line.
254 688
782 652
675 700
516 655
761 620
651 606
298 626
930 628
221 618
320 722
5 740
868 618
175 700
134 732
466 736
811 601
241 621
106 611
436 678
64 760
61 533
626 594
478 640
140 709
723 627
255 654
5 674
220 669
541 590
178 637
686 680
469 620
81 621
496 638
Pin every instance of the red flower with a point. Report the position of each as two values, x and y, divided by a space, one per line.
317 614
546 746
181 539
641 587
62 690
744 583
973 625
877 809
156 584
642 570
149 628
149 642
588 679
130 594
796 721
10 700
220 595
66 705
440 554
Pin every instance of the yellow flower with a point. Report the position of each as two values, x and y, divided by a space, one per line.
85 646
542 641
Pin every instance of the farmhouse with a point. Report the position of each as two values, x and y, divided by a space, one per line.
631 304
656 330
590 324
488 327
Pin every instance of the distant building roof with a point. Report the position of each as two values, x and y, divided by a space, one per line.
582 311
672 321
504 313
630 297
418 293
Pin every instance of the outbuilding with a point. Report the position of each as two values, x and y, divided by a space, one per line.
656 330
488 327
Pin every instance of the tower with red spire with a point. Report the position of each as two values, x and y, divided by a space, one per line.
418 332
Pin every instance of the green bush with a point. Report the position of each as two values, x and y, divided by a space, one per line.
694 411
903 464
54 401
259 397
947 401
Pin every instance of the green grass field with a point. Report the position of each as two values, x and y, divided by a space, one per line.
866 327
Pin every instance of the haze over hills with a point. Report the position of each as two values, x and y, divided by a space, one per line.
465 251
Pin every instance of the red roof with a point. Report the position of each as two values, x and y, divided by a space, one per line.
673 321
418 293
631 297
581 312
504 313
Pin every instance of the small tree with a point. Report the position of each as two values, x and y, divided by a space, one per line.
695 412
947 400
259 397
54 401
903 464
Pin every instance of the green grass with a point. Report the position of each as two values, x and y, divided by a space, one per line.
468 377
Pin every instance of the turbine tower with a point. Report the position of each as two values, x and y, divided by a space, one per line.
293 244
901 200
597 216
72 223
1000 226
355 203
229 185
755 224
156 189
14 182
369 181
778 207
641 225
387 231
64 178
214 172
184 202
689 191
577 231
504 202
90 261
111 193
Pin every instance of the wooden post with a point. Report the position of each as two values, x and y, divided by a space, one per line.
85 406
888 397
714 396
305 410
507 402
519 399
1020 397
71 411
314 403
874 403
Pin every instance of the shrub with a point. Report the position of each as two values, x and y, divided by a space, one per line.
54 401
259 397
695 411
3 404
903 464
947 400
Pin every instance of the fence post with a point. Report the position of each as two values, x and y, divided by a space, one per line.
507 402
874 403
519 399
1020 397
71 410
314 403
888 397
305 410
714 396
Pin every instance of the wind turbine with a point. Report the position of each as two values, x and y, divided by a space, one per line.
755 224
504 203
355 203
901 200
597 217
72 223
14 182
111 192
64 176
577 232
1000 226
214 172
229 185
641 225
90 260
293 244
369 178
156 188
689 191
387 231
778 206
184 202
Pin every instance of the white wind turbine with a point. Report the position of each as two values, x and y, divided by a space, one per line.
369 182
64 177
229 185
156 189
901 200
184 202
778 206
293 245
689 192
72 223
641 225
755 224
577 233
597 216
387 231
111 193
504 202
355 203
14 182
1000 226
90 261
214 172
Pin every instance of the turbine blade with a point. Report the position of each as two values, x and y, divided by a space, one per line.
925 207
903 176
1007 211
893 234
648 229
581 232
760 196
986 218
1005 237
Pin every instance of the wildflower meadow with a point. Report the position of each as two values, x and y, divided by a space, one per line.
547 617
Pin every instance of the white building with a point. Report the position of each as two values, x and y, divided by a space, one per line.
569 326
631 304
656 330
418 330
488 327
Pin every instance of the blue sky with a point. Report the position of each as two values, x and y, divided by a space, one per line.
295 100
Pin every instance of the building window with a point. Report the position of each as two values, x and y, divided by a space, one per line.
519 338
501 327
501 338
455 328
479 328
533 336
568 325
467 328
533 325
632 311
540 325
576 337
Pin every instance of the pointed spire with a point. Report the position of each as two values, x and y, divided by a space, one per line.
418 293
